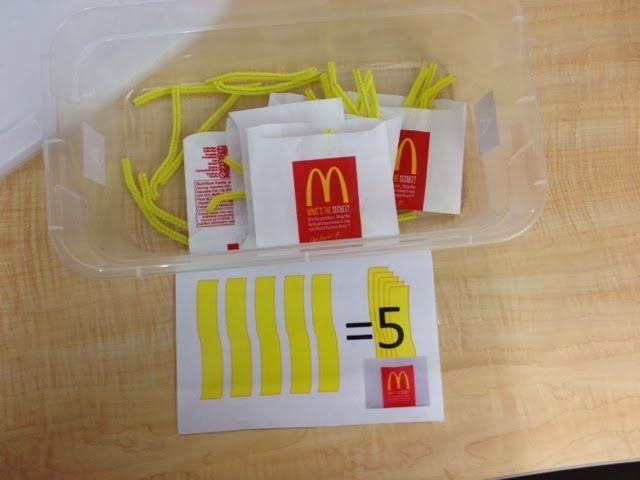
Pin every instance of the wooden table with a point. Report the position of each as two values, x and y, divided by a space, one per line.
540 337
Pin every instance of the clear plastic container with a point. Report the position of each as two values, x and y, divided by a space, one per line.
97 228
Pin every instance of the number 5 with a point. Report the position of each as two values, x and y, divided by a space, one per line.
384 324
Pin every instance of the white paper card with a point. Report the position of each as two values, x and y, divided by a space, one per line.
298 345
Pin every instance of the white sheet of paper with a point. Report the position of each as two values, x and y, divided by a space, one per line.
339 381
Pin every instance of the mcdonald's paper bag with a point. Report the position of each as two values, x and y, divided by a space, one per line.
320 186
206 175
240 121
429 165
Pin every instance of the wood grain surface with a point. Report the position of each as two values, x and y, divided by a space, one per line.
540 337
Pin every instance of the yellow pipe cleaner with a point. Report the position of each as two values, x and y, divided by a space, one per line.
407 217
155 209
158 176
337 89
233 164
370 86
364 107
416 88
224 197
218 115
138 199
187 89
262 76
429 95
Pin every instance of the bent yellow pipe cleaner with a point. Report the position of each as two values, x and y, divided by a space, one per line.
248 90
218 115
233 164
129 181
364 108
326 87
155 209
197 89
431 75
311 95
335 86
151 95
370 86
186 89
173 146
261 76
428 96
407 217
416 88
224 197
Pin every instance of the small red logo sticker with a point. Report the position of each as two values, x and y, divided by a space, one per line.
398 387
327 201
410 175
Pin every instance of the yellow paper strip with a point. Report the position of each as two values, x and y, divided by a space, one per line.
327 341
240 344
389 310
210 343
299 346
266 326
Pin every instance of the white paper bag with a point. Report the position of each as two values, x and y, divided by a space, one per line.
240 121
320 186
206 176
438 137
429 165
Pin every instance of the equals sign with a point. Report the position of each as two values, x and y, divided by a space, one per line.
359 325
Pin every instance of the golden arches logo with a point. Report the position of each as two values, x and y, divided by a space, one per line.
398 378
325 182
408 142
